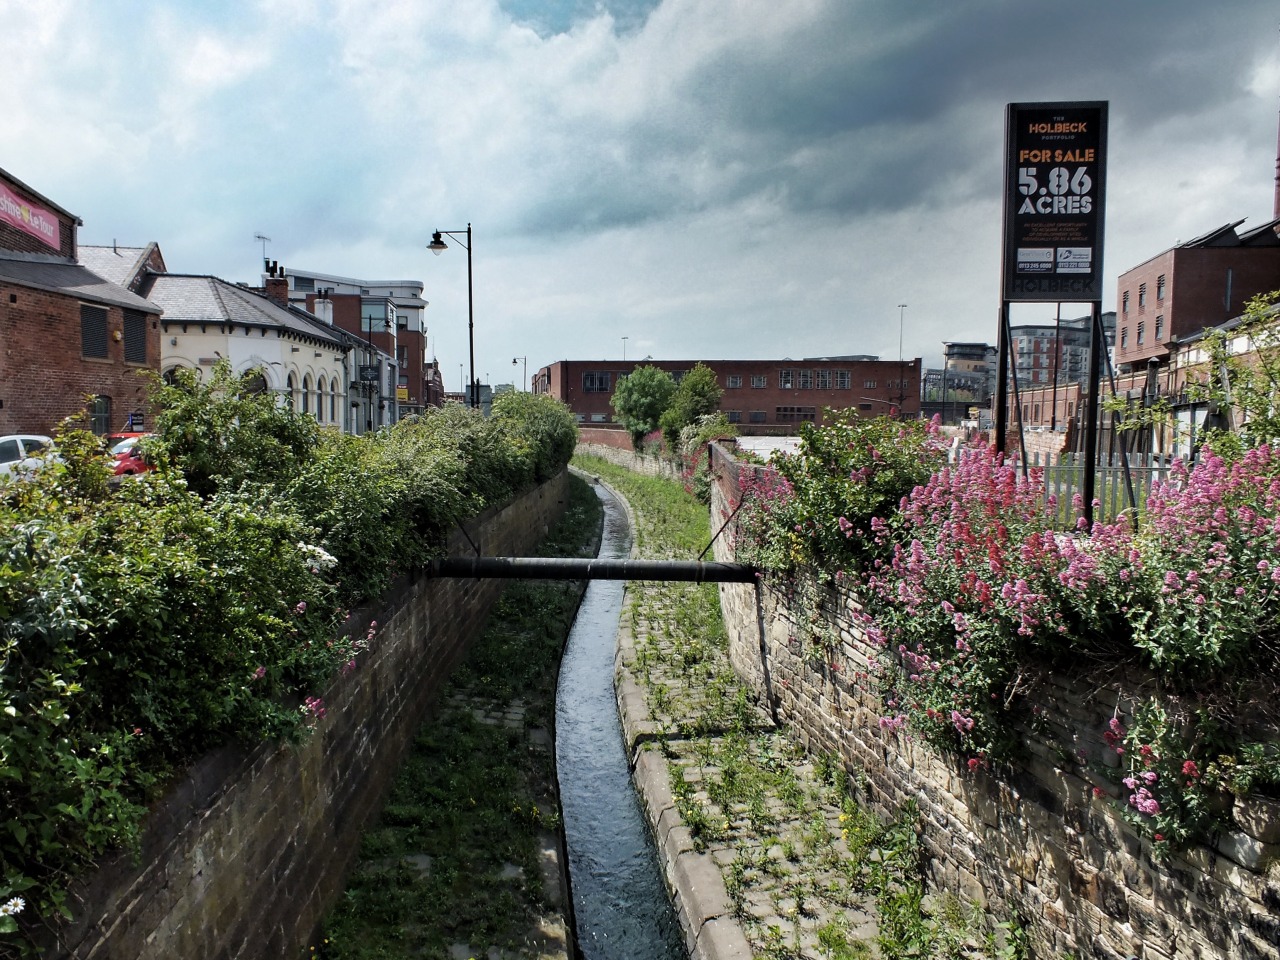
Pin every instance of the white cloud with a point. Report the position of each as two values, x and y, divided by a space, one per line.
746 177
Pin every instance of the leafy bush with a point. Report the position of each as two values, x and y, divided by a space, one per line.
544 425
816 506
202 602
639 400
697 395
970 591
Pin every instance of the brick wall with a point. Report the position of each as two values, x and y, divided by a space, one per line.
244 857
43 377
1036 844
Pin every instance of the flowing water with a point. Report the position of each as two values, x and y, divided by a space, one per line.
620 905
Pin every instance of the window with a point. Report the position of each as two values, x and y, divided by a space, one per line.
93 331
1124 302
733 381
333 402
734 416
868 384
864 406
1142 295
1160 288
321 389
757 416
805 379
1142 329
759 381
598 418
796 414
290 388
306 394
596 381
822 379
304 284
373 317
1124 338
1159 329
786 379
135 336
100 415
843 380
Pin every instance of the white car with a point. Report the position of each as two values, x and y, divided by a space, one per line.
23 452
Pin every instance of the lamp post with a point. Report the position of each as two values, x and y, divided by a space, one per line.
524 369
438 246
624 349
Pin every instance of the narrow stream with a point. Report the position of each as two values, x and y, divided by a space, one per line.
619 901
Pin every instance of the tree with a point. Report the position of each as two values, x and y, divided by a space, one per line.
640 398
698 395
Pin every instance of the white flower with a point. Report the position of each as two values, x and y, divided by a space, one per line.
317 556
15 905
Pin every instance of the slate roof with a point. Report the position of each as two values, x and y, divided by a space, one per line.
197 299
118 264
59 275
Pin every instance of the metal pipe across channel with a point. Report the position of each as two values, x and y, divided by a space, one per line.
554 568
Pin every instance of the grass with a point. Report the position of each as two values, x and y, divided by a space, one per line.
454 856
809 872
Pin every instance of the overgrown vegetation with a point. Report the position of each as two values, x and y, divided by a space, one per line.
971 592
809 872
204 602
454 857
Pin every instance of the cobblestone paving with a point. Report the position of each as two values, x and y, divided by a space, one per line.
791 846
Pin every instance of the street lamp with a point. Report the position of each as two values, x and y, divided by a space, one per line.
438 246
525 369
624 349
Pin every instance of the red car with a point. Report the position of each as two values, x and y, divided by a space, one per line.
128 458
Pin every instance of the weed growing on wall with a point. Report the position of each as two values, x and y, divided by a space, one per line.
970 591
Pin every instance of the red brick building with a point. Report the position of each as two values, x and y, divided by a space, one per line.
1190 287
761 396
68 333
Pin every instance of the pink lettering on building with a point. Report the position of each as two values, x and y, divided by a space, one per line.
29 218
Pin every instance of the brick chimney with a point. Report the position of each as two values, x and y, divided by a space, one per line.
277 289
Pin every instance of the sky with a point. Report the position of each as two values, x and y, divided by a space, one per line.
676 179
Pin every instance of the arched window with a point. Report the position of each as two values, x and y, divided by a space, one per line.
320 395
255 381
306 394
333 402
290 388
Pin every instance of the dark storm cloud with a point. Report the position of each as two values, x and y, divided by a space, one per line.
874 106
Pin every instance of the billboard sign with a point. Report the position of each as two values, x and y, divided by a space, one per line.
29 218
1055 172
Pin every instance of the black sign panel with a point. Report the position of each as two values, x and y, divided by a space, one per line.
369 374
1055 171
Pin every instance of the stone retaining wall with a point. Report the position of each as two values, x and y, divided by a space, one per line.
643 463
1038 845
244 857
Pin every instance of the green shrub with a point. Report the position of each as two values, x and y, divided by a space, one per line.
201 603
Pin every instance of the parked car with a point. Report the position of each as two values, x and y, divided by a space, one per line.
129 457
24 452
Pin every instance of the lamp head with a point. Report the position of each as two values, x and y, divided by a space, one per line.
437 244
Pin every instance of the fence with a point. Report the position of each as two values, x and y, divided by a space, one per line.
1064 480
